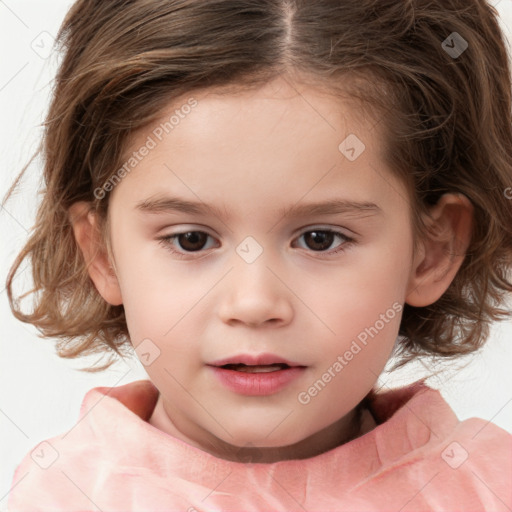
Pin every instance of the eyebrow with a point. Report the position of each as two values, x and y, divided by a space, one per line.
330 207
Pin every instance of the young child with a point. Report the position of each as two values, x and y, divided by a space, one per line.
267 200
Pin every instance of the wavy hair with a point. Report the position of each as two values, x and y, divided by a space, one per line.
444 111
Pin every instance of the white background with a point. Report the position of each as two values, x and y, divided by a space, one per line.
40 394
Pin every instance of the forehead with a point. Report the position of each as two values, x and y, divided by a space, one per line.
269 110
278 140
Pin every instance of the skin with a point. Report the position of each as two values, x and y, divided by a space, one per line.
251 154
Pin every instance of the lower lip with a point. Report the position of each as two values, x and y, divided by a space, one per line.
257 384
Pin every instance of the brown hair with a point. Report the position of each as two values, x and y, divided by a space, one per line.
445 118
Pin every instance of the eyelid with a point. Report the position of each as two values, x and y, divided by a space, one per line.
167 239
347 241
185 228
320 227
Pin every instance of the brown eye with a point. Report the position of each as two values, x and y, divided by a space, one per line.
324 241
319 240
192 240
188 244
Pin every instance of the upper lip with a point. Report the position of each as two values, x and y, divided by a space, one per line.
254 360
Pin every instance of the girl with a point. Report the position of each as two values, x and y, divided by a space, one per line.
267 200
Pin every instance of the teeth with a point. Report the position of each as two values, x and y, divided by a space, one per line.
256 368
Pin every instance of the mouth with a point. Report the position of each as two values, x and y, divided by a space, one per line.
260 368
256 375
257 362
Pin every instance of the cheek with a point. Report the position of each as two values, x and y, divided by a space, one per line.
361 325
163 302
152 301
156 313
366 283
360 304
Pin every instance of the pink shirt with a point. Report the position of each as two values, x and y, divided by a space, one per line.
419 457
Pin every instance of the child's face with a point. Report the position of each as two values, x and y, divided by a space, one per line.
251 156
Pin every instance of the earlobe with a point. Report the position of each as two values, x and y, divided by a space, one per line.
88 237
442 251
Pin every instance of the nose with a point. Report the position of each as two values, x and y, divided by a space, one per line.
253 295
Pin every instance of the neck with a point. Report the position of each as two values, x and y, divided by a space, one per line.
355 424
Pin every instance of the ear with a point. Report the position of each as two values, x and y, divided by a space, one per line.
442 251
88 237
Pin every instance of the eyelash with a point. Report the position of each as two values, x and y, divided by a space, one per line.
166 241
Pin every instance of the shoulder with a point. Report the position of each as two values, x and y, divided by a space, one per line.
482 450
75 466
46 479
473 466
432 461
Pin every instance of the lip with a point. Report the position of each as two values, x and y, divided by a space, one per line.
253 360
257 384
